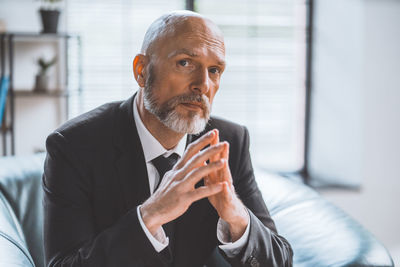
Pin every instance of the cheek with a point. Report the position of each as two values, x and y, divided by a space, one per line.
211 96
213 91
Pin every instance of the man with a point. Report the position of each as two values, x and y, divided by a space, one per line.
111 197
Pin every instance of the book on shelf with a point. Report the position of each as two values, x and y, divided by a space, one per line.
4 82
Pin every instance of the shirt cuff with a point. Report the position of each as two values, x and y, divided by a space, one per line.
159 240
231 249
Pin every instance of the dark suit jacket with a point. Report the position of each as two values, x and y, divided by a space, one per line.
95 177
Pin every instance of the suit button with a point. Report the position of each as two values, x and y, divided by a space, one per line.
254 263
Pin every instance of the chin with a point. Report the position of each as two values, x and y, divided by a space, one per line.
192 125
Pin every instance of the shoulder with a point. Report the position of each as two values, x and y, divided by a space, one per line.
90 126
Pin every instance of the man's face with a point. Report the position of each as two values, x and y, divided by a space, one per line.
183 76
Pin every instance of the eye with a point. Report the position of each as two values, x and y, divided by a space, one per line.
214 70
183 62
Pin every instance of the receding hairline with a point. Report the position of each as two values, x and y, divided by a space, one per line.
167 25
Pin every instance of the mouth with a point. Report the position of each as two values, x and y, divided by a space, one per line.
192 106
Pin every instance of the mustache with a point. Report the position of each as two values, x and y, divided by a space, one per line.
190 98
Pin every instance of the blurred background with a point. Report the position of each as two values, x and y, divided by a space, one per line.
317 83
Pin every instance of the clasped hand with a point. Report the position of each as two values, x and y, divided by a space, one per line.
177 190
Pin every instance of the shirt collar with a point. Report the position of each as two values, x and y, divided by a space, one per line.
151 147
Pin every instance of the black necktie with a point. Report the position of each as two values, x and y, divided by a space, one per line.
163 165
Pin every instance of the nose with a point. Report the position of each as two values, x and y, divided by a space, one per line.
201 81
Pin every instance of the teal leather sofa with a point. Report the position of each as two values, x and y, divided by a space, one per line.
320 233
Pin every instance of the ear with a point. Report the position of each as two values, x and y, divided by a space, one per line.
139 65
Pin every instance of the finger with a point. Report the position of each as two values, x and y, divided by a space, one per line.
207 180
225 152
226 193
221 175
199 159
225 172
197 174
208 177
194 147
214 142
205 191
214 177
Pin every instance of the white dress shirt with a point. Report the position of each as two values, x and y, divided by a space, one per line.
152 149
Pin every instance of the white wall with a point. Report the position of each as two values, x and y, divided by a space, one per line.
22 15
35 116
359 63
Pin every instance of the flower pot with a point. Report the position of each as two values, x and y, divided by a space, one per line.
41 83
49 20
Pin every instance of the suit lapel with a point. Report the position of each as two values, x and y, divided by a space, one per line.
130 164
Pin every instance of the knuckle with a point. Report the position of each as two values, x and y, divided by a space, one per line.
190 146
169 174
177 174
192 173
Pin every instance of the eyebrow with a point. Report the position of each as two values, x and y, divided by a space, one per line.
191 54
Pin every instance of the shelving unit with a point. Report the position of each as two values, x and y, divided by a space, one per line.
8 64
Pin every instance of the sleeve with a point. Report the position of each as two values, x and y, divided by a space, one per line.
159 241
223 235
264 246
70 235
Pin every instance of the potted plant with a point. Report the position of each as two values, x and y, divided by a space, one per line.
42 79
49 13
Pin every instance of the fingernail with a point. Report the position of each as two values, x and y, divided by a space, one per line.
211 133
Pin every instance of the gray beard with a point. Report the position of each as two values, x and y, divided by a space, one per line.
167 114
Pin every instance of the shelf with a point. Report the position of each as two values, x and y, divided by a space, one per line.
39 35
16 48
32 93
5 129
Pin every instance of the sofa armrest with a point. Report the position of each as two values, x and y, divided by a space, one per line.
320 233
13 249
20 182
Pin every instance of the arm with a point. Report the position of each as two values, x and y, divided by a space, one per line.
264 246
70 237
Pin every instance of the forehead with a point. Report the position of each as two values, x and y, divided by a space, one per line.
195 37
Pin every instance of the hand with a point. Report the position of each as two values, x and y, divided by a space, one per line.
177 190
226 202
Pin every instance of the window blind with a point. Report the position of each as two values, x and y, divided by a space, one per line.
262 87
